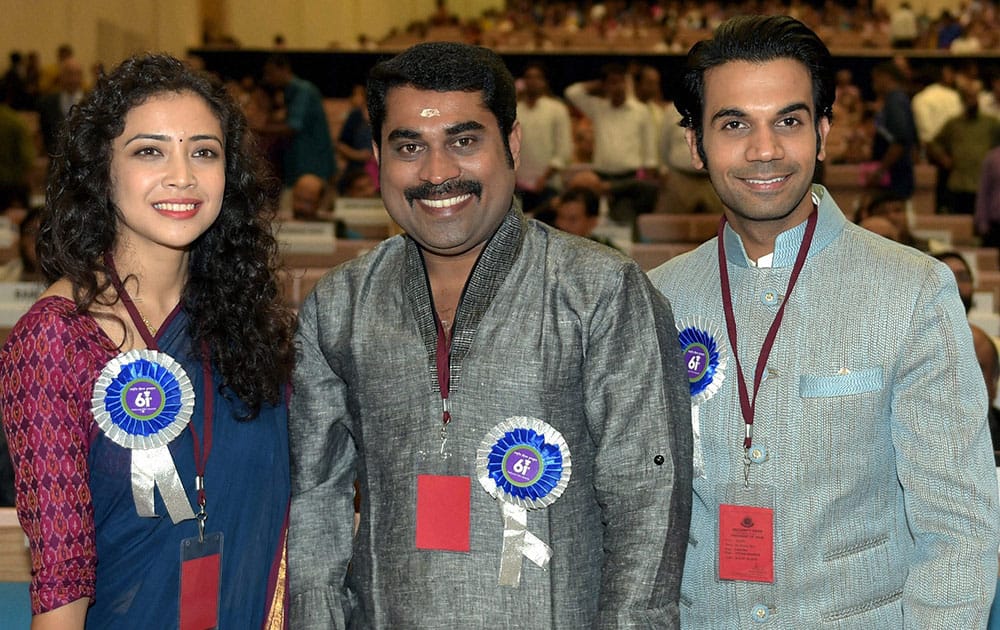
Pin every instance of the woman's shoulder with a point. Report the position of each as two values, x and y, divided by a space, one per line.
49 309
53 321
54 348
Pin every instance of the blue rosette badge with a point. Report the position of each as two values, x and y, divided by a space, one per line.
142 400
704 352
524 463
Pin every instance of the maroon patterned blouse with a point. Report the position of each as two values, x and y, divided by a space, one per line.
47 371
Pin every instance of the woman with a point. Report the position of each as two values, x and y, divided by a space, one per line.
143 395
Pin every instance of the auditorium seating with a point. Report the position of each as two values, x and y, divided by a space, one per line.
302 270
954 229
989 280
846 183
984 258
651 255
676 228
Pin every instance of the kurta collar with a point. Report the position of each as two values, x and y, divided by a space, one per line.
830 224
488 275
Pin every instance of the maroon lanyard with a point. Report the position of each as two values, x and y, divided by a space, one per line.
201 447
444 372
747 404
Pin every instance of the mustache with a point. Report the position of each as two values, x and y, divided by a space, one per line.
451 187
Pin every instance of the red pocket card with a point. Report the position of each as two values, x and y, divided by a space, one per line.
746 543
443 506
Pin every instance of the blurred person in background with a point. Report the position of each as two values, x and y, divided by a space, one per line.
548 144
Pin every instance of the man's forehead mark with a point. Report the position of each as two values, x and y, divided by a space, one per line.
430 112
404 133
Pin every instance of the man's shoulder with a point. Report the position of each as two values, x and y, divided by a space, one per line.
683 267
884 260
575 261
935 90
376 265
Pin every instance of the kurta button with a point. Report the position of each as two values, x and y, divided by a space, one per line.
769 298
760 613
758 454
658 460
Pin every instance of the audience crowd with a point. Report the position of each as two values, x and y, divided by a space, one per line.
674 25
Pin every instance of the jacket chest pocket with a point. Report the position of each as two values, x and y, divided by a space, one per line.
845 409
846 384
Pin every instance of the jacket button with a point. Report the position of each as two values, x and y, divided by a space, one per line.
658 460
758 454
760 613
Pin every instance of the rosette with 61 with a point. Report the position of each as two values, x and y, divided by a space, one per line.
704 352
142 400
524 463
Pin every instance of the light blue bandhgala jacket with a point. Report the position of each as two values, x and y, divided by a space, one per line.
872 436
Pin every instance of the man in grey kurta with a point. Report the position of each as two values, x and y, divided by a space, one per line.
540 333
867 466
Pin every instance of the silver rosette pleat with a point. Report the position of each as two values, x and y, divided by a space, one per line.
524 463
705 355
142 400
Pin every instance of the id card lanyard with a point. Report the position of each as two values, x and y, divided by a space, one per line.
202 448
443 362
200 583
747 403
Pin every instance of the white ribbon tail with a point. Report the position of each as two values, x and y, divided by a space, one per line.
698 459
536 550
153 468
519 543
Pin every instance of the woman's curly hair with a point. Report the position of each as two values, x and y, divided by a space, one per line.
231 295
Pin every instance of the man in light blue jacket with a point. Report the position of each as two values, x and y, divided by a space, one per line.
843 475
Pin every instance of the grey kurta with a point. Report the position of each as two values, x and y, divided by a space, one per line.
551 327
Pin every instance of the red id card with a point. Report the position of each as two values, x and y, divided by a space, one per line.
201 566
746 543
443 505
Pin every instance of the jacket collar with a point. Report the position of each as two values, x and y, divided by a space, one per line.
488 274
830 224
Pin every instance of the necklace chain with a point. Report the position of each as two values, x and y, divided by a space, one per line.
151 328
